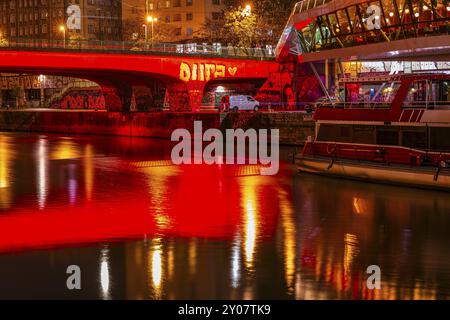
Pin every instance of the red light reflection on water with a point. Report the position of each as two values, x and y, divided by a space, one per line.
184 201
83 191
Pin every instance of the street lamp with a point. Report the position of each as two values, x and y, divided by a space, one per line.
151 20
41 80
247 11
63 30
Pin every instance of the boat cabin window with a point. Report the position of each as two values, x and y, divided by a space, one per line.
338 133
433 94
417 95
388 136
440 94
435 139
415 138
364 134
370 95
440 139
346 133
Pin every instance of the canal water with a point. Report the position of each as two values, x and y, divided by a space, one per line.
141 228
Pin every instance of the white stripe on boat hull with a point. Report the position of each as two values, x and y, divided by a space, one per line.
391 175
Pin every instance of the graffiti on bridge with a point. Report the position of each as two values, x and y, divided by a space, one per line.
85 99
289 88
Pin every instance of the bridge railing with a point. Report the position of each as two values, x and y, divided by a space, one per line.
263 53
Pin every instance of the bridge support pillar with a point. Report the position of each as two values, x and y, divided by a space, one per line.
185 96
196 91
117 98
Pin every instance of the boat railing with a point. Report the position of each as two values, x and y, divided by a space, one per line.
427 105
430 105
354 105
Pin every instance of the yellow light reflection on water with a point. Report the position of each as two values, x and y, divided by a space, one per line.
351 250
157 182
250 233
171 261
362 206
192 256
357 205
88 171
42 175
289 238
66 149
6 158
250 220
156 267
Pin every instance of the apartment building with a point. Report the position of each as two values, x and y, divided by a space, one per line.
43 19
177 20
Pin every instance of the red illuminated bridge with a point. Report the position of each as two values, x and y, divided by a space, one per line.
180 73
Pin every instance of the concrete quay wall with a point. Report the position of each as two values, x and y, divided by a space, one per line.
294 127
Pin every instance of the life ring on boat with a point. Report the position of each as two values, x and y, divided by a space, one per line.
333 148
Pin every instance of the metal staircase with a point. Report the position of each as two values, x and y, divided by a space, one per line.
76 84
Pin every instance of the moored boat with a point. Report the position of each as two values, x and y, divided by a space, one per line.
391 130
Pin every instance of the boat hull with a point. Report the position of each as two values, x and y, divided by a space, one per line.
399 175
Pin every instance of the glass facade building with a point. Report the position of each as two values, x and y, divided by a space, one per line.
366 22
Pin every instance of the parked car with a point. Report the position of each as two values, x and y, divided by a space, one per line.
245 103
